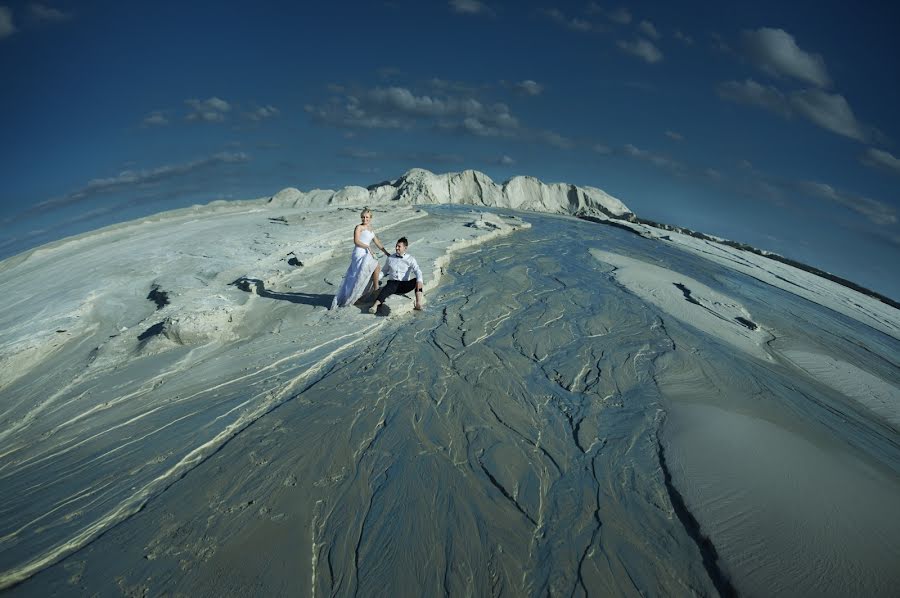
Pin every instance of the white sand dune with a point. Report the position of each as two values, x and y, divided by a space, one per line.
875 394
789 517
690 301
830 294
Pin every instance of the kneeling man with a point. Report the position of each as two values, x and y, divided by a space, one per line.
403 275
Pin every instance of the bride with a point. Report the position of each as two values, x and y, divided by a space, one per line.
364 268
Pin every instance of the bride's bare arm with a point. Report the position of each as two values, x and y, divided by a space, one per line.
380 246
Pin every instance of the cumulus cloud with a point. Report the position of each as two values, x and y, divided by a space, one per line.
469 7
647 28
881 159
876 211
529 87
674 135
555 139
211 110
641 48
573 23
155 119
398 107
401 108
475 126
349 112
41 12
776 52
7 27
263 113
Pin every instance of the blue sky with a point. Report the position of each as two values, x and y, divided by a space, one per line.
769 123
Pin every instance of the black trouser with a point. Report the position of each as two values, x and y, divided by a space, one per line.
396 287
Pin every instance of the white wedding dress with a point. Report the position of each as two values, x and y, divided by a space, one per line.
359 275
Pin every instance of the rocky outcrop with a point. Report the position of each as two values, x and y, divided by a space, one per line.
469 187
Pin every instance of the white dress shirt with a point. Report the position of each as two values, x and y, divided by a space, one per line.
402 267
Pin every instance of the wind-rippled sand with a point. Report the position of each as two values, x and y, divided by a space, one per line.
579 411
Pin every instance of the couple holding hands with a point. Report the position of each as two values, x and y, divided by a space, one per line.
401 269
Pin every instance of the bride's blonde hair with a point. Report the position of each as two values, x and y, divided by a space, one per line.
365 211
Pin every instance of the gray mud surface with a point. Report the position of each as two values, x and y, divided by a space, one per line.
537 430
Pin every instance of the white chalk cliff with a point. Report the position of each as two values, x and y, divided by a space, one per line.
469 187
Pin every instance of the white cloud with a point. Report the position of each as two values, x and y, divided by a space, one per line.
401 108
683 37
155 119
642 48
647 28
755 94
134 177
674 135
476 127
360 154
263 113
775 52
210 110
40 12
620 16
349 113
877 158
469 7
602 149
7 27
530 87
555 139
506 161
829 111
129 181
657 160
876 211
447 86
573 23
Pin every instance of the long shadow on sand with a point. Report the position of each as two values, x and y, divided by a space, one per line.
252 285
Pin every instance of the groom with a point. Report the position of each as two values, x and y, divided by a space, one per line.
403 275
